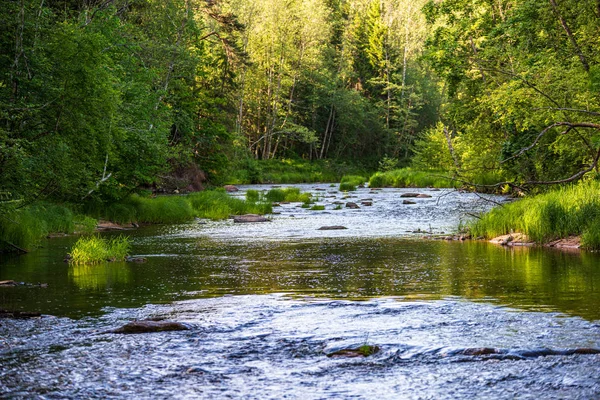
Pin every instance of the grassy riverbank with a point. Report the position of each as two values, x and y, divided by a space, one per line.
569 211
22 229
411 177
292 171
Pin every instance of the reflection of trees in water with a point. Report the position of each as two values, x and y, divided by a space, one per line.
99 276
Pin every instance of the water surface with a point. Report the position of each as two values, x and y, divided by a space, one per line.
267 302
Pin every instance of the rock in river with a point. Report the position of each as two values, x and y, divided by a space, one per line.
352 205
332 228
230 188
409 195
150 326
408 202
423 196
249 218
362 351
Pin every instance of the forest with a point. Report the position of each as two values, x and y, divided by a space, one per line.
102 99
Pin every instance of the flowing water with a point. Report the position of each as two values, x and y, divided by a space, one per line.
266 303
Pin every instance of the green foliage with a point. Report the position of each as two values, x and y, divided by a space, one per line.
408 177
570 210
216 204
163 209
25 227
94 250
291 194
350 182
252 195
317 208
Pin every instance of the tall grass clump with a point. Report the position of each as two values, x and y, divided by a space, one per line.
408 177
94 250
252 195
216 204
351 182
24 228
290 194
162 209
563 212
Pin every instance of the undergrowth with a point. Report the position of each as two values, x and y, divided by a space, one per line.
563 212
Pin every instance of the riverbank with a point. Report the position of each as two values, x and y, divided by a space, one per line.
559 218
22 229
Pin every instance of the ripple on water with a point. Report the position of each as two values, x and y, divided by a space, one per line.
272 346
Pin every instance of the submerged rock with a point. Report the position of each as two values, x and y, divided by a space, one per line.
352 205
367 203
19 314
362 351
149 327
135 259
408 202
332 228
423 196
409 195
249 218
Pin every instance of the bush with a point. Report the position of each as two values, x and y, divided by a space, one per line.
94 250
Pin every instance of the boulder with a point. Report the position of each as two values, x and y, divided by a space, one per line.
408 202
423 196
352 205
249 218
409 195
230 188
150 326
367 203
332 228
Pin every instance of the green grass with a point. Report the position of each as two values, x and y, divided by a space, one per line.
252 195
213 204
408 177
570 210
290 194
351 182
94 250
216 204
317 208
286 171
25 227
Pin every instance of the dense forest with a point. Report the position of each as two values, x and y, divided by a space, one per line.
99 98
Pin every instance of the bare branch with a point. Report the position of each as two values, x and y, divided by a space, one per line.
568 109
569 125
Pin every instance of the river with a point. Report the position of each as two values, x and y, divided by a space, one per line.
267 302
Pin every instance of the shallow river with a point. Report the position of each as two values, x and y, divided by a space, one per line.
267 302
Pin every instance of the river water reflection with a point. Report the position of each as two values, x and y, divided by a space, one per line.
288 291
